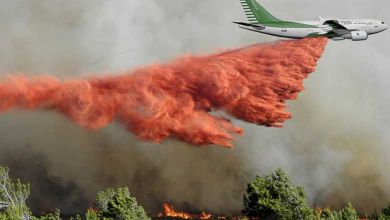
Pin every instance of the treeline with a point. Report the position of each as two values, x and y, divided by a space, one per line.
274 196
110 204
269 197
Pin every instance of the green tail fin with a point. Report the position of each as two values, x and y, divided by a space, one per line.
257 13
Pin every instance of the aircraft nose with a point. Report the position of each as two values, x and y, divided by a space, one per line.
385 26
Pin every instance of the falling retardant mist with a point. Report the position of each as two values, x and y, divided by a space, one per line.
175 99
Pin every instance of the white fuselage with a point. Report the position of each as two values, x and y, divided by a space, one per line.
370 26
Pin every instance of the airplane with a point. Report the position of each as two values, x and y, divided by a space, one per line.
260 20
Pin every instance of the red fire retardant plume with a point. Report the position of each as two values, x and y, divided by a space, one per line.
175 99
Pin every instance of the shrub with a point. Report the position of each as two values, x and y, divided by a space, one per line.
91 215
348 213
274 197
50 216
324 214
119 205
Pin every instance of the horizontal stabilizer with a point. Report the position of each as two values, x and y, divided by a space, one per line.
256 26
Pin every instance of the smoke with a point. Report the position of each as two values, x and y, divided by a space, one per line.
336 146
173 100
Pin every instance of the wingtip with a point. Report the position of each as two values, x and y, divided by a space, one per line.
239 23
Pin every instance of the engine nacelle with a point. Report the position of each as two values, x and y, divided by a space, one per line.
357 35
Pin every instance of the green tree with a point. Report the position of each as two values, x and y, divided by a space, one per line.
273 196
385 213
118 204
384 217
13 196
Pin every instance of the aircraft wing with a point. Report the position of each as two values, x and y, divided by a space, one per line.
335 24
337 28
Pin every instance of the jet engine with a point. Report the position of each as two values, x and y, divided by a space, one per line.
356 35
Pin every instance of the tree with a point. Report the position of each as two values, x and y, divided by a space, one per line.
119 205
385 213
274 197
13 196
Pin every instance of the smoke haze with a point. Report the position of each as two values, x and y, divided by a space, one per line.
336 146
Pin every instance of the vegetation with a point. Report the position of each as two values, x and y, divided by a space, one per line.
13 196
348 213
385 213
272 196
50 216
118 204
111 204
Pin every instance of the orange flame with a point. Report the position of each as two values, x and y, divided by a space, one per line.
170 212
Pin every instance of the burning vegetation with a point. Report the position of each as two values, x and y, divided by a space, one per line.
170 212
271 196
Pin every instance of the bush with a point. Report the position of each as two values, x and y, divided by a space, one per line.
91 215
50 216
274 197
119 205
348 213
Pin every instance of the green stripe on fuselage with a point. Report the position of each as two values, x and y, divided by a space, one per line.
287 24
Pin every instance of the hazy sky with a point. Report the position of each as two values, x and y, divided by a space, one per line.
336 145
